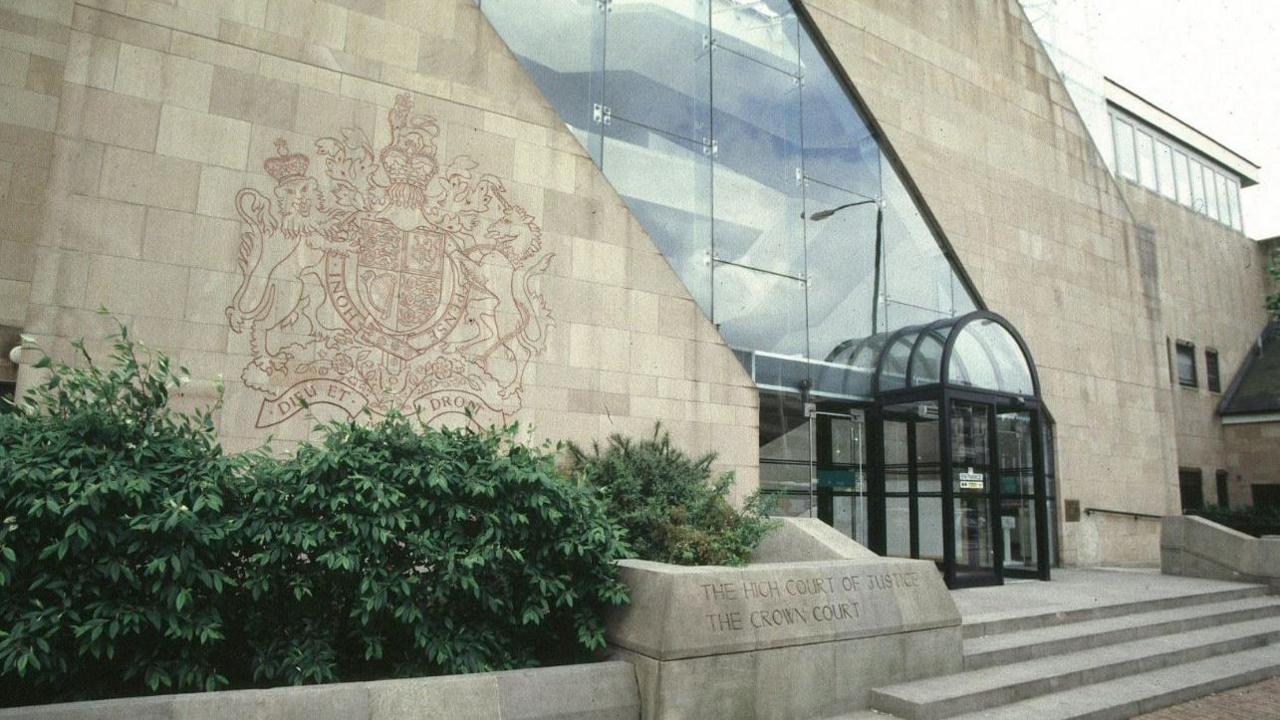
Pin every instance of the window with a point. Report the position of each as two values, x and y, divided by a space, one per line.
10 338
1224 204
1164 169
1146 160
1266 496
1186 363
1197 188
1125 162
1233 204
1224 499
1164 165
1212 378
1210 192
1182 176
1190 482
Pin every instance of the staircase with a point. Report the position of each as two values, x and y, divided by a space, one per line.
1113 661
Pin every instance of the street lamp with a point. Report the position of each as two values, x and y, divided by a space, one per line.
875 293
824 214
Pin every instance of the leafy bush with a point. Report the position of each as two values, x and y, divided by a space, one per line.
119 520
136 556
668 504
388 551
1255 521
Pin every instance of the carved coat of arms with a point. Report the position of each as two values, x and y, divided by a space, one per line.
386 281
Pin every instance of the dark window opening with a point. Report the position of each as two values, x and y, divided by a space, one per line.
1224 498
1266 496
10 337
1190 482
1211 371
1186 360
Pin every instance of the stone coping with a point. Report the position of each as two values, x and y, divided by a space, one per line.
1193 546
797 539
684 612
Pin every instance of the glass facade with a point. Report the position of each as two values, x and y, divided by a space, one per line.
741 153
749 163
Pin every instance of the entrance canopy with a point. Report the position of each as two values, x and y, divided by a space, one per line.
978 351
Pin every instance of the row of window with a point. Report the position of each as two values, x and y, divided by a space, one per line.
1185 364
1162 165
1191 488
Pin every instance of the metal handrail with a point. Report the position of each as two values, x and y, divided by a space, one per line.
1134 515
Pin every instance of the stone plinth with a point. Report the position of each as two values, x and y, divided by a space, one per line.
784 640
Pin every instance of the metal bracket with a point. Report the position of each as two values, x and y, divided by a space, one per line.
601 114
710 147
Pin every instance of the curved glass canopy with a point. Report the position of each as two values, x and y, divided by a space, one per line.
979 351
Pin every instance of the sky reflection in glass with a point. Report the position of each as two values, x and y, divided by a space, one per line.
720 124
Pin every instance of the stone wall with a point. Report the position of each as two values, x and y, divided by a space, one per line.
598 691
970 101
1212 281
34 40
348 203
1252 451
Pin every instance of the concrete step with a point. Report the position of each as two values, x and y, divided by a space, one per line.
974 690
1007 648
1144 692
997 623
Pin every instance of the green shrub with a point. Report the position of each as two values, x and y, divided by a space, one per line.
118 524
135 556
385 550
668 504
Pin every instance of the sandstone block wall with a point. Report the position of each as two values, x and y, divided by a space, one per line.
972 104
223 175
34 41
1212 281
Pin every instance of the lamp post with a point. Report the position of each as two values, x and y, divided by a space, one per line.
875 294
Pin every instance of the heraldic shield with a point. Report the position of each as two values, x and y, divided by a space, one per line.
400 274
387 282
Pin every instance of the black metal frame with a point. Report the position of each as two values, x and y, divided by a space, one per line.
945 395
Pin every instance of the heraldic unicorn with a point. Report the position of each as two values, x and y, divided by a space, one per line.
387 282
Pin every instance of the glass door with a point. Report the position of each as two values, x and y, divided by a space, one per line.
909 495
972 490
840 481
1019 524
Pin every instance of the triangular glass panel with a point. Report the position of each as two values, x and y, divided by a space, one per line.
744 157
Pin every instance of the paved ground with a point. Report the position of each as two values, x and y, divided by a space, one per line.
1074 589
1251 702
